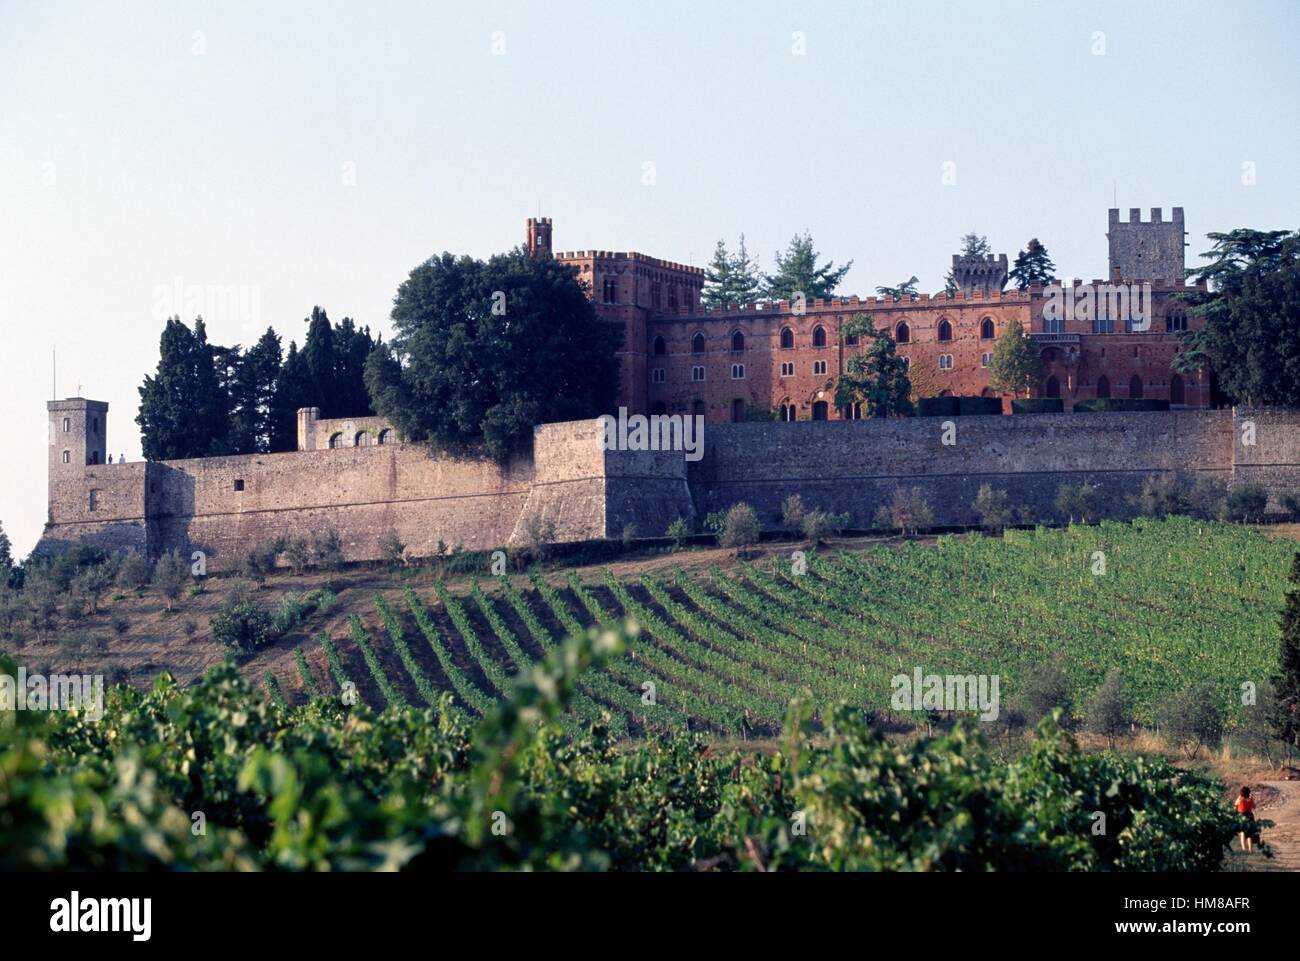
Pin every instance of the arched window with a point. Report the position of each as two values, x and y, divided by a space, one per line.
1177 393
737 340
819 336
67 457
986 328
737 411
850 340
697 344
1052 388
386 436
903 333
821 410
788 414
851 412
945 330
363 439
660 347
787 338
67 424
336 441
1135 386
1103 386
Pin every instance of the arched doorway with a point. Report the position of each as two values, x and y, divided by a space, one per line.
1052 388
1177 392
737 411
1103 386
821 410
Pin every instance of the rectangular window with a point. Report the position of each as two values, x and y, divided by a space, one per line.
737 371
697 373
239 485
1053 325
67 425
67 457
787 369
672 298
986 359
609 291
819 366
94 500
1103 325
659 375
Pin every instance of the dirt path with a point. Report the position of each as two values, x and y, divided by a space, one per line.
1284 811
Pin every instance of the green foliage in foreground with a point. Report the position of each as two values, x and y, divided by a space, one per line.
216 777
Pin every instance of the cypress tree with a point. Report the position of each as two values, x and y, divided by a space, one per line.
1284 718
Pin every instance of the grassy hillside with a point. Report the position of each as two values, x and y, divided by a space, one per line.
726 643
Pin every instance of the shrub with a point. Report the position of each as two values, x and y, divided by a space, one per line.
1207 497
288 615
629 535
1038 405
133 572
80 647
819 524
244 627
120 624
1291 504
1191 716
937 407
741 527
907 513
259 561
392 550
1043 690
297 554
979 406
538 535
678 531
1161 496
1107 711
792 513
1119 403
170 575
993 508
1081 502
1245 504
327 550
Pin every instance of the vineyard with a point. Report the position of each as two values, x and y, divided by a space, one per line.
1170 603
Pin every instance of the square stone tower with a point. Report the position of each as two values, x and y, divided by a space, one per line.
1147 251
78 434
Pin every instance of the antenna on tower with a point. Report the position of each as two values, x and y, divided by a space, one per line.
1115 187
54 373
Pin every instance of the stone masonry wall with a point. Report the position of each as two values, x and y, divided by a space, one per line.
856 466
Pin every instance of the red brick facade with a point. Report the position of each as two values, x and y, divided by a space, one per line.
680 358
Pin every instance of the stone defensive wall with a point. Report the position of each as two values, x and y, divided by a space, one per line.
573 489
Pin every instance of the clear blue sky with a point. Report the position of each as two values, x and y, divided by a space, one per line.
142 143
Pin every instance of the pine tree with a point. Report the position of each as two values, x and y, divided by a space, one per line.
719 285
1032 266
1284 715
746 278
184 411
906 289
797 273
1015 365
876 378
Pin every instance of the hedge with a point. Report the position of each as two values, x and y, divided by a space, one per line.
1120 403
967 406
937 407
1038 405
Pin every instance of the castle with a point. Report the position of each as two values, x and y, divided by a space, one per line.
680 358
355 476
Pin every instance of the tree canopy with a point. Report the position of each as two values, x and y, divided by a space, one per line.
972 245
1251 312
732 278
1033 265
797 272
484 351
876 378
1015 366
184 411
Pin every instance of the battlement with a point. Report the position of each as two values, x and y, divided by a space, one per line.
855 302
632 256
1135 216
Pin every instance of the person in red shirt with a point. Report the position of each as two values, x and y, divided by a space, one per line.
1246 808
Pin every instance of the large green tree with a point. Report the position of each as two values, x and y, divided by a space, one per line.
1033 266
1251 313
252 394
483 351
1015 366
184 410
731 278
876 378
797 272
905 289
1284 713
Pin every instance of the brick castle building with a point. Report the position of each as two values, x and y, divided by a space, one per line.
734 362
